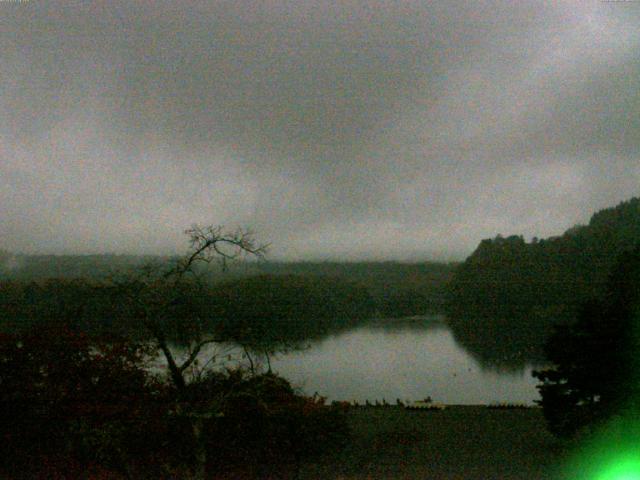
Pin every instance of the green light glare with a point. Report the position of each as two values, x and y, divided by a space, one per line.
612 453
627 468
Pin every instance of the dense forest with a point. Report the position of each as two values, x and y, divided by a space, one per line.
259 304
504 299
397 289
260 311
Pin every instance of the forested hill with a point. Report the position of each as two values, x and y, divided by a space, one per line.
399 289
512 290
96 267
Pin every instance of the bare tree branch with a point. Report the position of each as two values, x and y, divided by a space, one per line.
154 292
209 243
195 352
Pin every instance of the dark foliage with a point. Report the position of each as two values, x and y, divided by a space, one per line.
595 373
76 400
263 429
265 311
268 311
396 288
515 291
69 403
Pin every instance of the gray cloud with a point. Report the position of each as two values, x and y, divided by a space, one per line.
350 129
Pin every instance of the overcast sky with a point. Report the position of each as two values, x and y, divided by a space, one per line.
353 129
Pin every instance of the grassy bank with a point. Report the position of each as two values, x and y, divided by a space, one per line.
462 442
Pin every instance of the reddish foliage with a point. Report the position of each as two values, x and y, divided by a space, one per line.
66 396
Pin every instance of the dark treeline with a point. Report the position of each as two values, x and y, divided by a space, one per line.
272 309
39 267
506 296
256 310
397 289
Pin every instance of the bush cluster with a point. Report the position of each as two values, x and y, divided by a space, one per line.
72 406
265 429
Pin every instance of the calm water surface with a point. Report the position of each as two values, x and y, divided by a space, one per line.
406 359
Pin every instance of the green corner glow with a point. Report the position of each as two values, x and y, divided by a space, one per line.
612 453
627 468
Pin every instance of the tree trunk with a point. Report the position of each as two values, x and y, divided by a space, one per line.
252 367
200 454
266 354
176 374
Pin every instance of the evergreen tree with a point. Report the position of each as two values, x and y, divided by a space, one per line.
595 372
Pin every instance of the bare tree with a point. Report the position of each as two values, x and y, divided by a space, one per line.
156 294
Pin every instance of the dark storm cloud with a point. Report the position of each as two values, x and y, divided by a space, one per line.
377 129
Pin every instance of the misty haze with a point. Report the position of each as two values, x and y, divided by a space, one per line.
318 239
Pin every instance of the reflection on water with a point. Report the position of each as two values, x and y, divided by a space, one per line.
406 359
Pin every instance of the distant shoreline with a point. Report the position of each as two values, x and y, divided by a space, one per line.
435 318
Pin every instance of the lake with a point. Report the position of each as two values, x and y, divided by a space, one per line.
408 358
401 358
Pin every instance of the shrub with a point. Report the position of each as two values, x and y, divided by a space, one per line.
66 399
266 429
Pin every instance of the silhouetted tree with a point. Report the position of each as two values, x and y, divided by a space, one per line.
167 302
595 372
90 400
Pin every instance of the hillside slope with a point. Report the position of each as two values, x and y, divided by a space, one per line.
505 297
